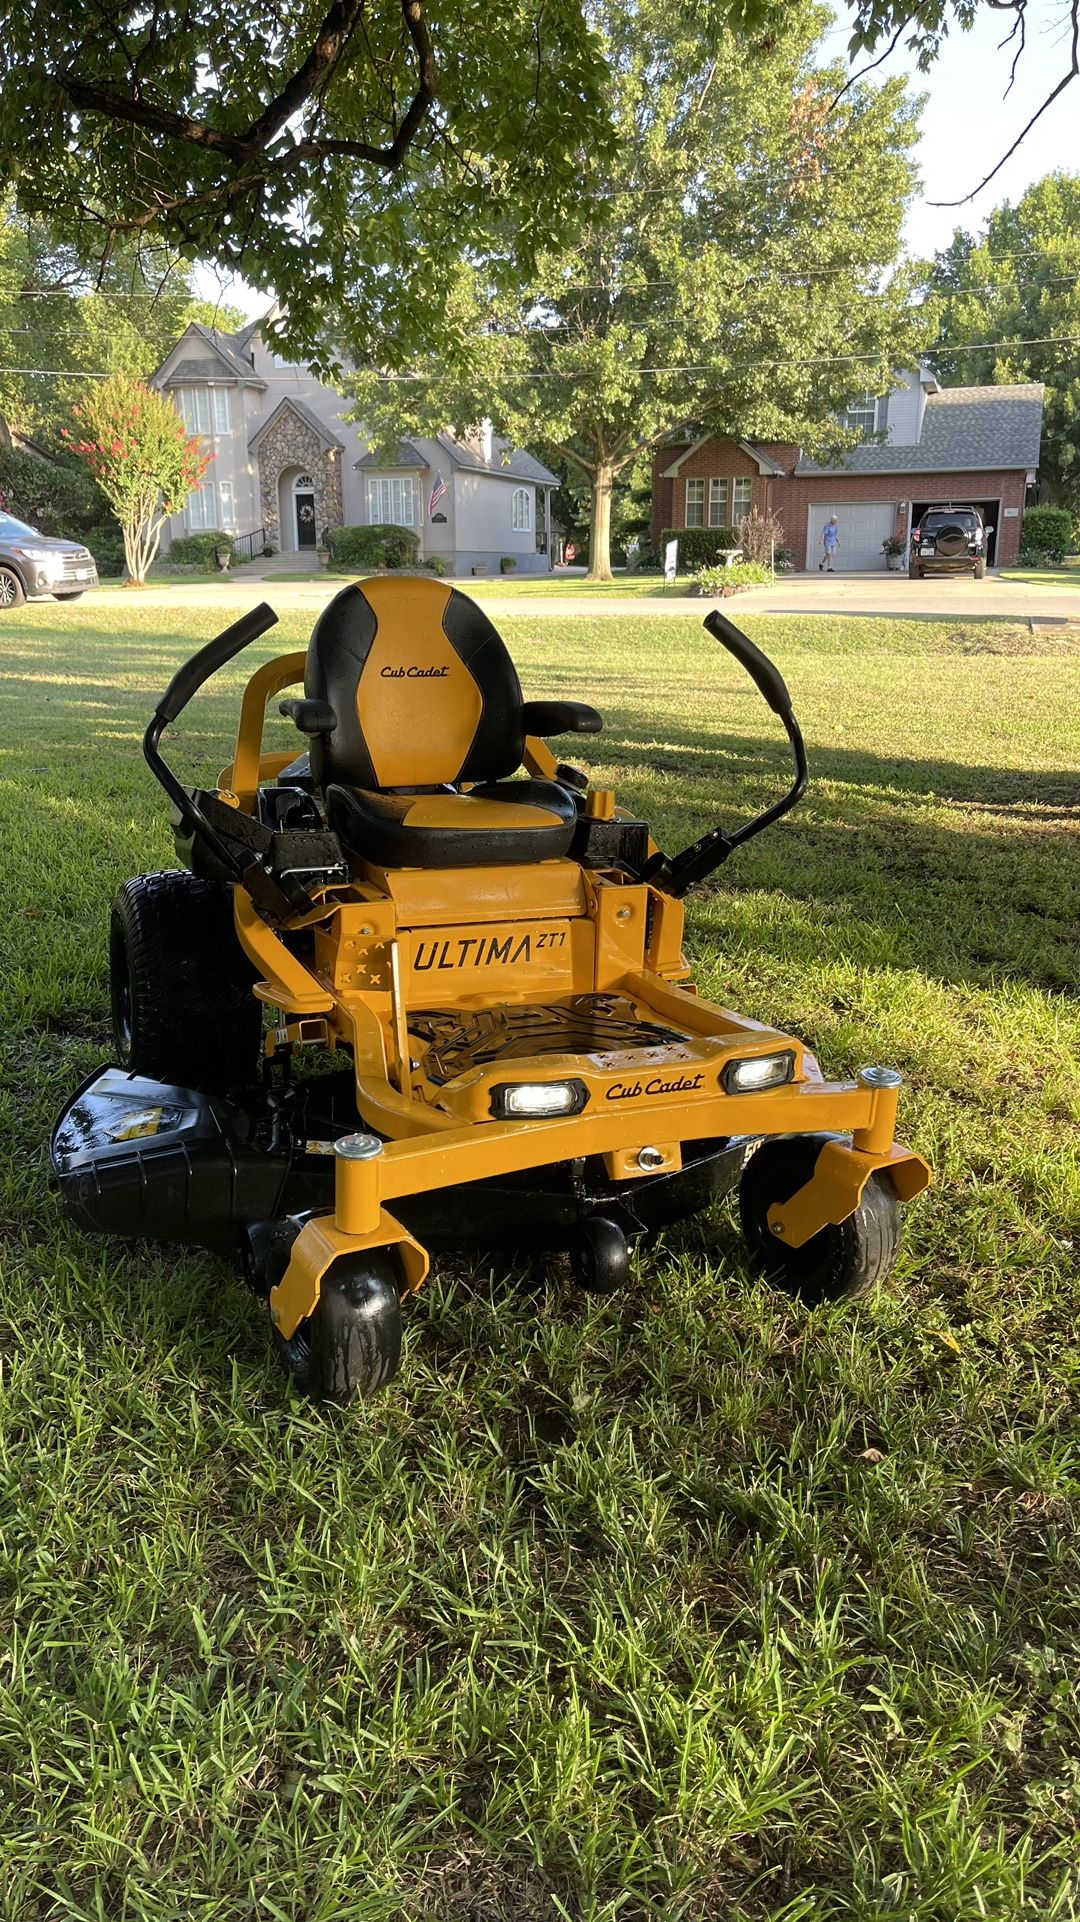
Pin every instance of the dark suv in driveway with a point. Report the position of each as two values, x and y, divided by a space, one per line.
949 540
33 566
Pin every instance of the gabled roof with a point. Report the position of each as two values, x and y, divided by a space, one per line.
765 462
222 363
407 456
291 404
506 463
963 427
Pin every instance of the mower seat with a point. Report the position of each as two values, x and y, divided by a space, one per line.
410 692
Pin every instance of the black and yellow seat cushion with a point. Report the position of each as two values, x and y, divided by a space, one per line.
409 693
505 821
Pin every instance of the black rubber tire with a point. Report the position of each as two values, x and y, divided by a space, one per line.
76 596
840 1262
350 1346
180 983
12 592
980 570
914 573
600 1256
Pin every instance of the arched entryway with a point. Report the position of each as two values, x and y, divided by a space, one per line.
298 499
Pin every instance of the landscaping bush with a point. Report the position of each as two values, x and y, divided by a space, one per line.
721 581
1048 532
376 546
106 544
699 546
759 536
198 550
57 500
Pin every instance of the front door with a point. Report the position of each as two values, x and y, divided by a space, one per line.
305 520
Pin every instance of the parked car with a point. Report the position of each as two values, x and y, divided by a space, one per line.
949 540
33 566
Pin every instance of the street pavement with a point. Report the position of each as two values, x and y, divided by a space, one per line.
838 595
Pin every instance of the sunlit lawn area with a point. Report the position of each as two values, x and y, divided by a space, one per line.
682 1603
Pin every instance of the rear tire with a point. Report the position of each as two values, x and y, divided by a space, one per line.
76 596
12 592
840 1262
980 570
350 1346
182 1005
914 573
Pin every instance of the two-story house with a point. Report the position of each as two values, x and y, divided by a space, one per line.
923 444
288 465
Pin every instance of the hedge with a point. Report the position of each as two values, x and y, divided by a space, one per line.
1048 533
377 546
198 550
699 546
55 499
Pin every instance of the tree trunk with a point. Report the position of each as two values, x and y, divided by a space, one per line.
600 524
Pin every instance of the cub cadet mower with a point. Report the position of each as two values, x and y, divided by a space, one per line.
498 962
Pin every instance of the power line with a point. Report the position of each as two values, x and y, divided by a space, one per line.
816 360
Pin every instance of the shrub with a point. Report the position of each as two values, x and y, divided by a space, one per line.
508 564
784 560
729 580
699 546
198 550
437 566
759 535
106 544
1048 531
55 499
377 546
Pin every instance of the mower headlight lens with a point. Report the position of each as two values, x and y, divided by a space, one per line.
537 1100
758 1071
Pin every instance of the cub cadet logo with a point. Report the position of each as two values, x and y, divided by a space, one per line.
484 950
415 673
683 1084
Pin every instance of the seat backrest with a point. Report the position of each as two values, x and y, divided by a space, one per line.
422 686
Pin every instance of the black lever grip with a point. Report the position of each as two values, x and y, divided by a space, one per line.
188 679
767 678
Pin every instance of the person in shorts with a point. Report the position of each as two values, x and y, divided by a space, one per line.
830 541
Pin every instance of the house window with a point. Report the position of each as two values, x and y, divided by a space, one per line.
862 415
226 520
392 500
718 503
521 511
695 503
200 514
205 410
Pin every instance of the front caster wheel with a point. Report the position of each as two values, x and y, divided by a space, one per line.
600 1256
350 1346
840 1262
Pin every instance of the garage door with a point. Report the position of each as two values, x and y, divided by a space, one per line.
863 525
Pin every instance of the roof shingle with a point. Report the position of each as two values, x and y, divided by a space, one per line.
963 427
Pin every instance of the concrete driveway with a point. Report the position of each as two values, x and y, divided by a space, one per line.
875 595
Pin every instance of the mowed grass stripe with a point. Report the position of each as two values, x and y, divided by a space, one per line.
682 1604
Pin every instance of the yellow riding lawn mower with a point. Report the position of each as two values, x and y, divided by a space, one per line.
482 1030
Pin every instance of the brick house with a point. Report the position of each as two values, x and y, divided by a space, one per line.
925 444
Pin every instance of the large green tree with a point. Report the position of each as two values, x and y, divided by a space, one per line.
348 154
733 271
342 152
1018 282
61 319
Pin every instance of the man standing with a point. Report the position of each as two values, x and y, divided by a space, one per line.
830 541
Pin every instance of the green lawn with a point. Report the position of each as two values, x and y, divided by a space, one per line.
685 1604
1067 575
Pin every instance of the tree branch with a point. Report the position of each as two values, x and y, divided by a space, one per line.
310 79
1065 81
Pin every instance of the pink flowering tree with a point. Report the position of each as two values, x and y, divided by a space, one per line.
145 463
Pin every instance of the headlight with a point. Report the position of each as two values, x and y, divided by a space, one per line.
758 1071
43 555
536 1100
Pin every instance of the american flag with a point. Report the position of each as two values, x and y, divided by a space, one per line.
437 493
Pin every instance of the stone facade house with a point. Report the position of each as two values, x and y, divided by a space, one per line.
923 444
288 465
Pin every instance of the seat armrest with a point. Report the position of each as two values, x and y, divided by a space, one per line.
311 717
548 718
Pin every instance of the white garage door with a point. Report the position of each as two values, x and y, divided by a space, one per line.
863 525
